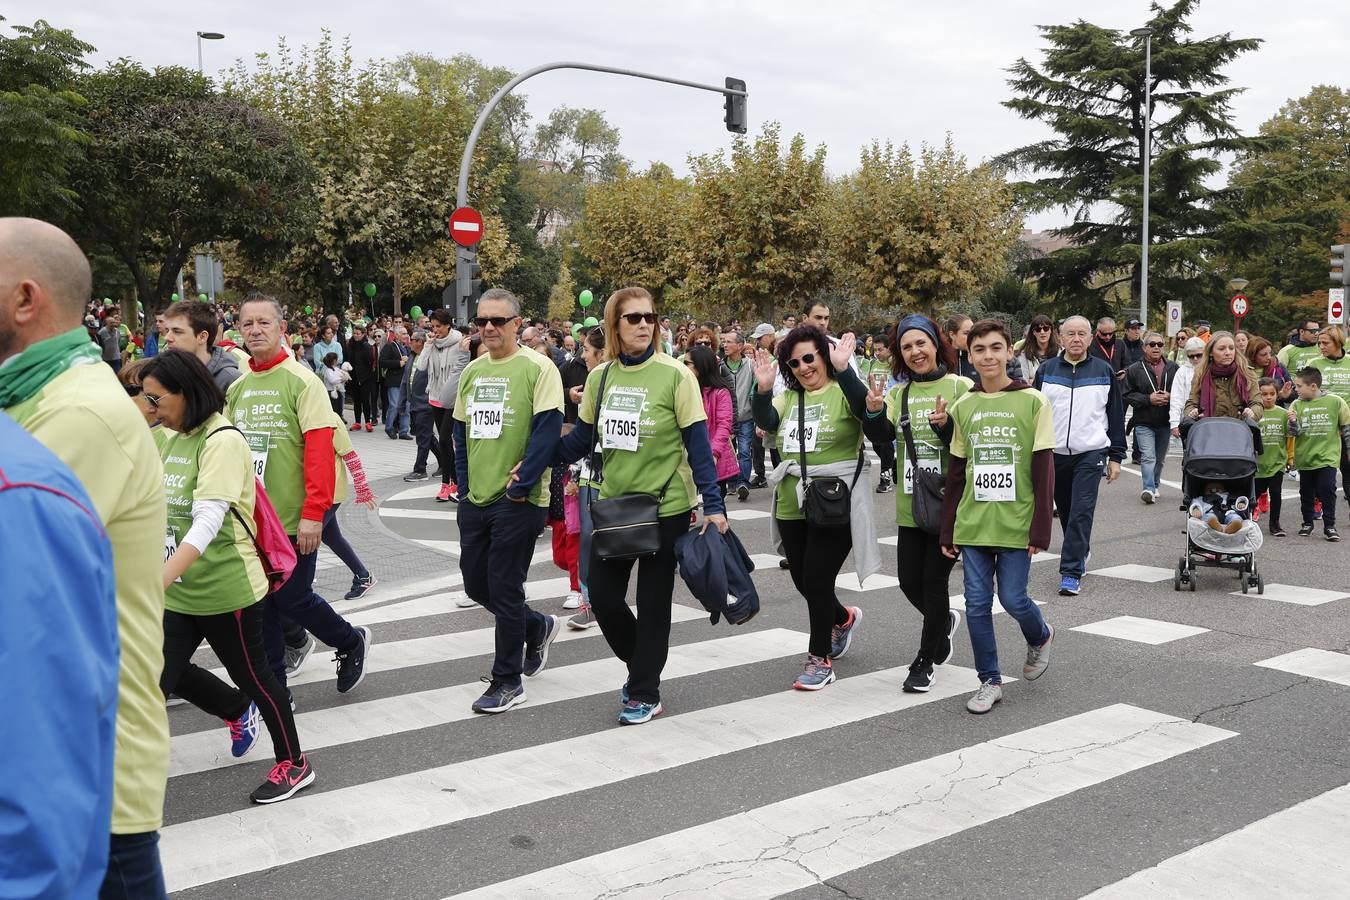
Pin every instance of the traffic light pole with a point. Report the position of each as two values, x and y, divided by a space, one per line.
466 257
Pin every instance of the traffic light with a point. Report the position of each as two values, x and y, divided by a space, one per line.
468 283
734 106
1338 261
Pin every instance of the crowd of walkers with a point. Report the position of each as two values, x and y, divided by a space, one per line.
187 488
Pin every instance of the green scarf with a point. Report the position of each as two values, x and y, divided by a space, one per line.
26 374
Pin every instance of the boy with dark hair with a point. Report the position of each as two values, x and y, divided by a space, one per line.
1274 457
1320 424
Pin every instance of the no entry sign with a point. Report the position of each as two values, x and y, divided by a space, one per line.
1336 306
466 226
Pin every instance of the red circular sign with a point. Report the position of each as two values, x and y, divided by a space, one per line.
466 226
1337 310
1238 305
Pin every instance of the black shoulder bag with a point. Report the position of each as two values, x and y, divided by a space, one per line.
825 501
926 487
627 526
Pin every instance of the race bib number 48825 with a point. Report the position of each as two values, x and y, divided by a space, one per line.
995 474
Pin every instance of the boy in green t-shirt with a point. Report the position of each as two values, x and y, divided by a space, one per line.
1319 424
998 504
1274 453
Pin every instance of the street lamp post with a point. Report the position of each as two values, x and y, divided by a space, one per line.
1145 32
205 36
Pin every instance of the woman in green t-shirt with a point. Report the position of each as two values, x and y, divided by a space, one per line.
214 581
818 416
924 361
1334 365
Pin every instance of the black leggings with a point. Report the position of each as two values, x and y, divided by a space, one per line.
641 641
924 572
237 640
815 556
445 425
1274 484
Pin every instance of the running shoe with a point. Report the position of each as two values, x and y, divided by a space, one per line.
351 664
1147 496
1069 586
284 781
465 602
623 694
582 620
758 482
499 697
356 426
370 426
1305 529
243 731
406 437
920 677
415 476
573 600
1038 658
884 484
1276 530
953 623
841 636
635 712
990 692
445 494
360 587
743 492
536 654
1331 534
296 656
816 674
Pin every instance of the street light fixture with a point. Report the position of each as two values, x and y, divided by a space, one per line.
205 36
1237 284
1145 32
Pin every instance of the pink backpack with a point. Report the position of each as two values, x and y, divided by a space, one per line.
275 550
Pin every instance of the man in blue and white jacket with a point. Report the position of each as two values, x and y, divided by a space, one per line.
1089 417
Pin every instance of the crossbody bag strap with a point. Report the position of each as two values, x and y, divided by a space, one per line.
233 511
801 423
906 429
597 455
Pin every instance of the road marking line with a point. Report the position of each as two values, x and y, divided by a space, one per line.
1132 572
805 840
390 512
746 514
439 604
1312 663
1291 593
848 581
1297 852
1144 631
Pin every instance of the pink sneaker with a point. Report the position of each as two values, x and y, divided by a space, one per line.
369 427
445 494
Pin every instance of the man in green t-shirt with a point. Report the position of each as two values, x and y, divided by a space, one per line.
282 408
507 422
999 504
1320 426
1303 350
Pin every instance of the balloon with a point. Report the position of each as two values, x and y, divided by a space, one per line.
586 298
370 289
308 310
415 312
576 330
173 297
140 305
107 301
591 322
203 298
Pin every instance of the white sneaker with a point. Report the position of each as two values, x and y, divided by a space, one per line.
465 602
573 600
1147 496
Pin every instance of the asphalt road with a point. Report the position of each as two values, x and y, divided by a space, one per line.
1198 726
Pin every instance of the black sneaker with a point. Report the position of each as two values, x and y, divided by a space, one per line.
758 482
536 654
743 492
360 587
920 676
1330 534
351 665
499 697
415 476
953 623
284 781
884 484
1305 529
1276 530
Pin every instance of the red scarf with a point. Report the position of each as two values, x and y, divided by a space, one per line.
1207 385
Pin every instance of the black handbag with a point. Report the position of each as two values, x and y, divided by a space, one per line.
627 526
825 501
927 488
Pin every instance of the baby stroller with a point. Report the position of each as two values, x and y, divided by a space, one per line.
1220 450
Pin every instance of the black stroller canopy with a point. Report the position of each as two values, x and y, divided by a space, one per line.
1219 449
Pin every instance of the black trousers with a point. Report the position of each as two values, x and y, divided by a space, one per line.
423 422
815 556
1314 485
641 641
757 456
237 640
924 572
1274 484
364 400
339 404
445 427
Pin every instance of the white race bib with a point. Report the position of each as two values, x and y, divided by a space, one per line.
259 444
170 548
928 461
620 423
486 409
800 437
995 474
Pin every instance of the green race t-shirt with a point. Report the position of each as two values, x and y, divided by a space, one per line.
1274 453
1335 375
497 401
228 576
1295 358
996 434
644 409
927 447
829 433
274 409
1318 443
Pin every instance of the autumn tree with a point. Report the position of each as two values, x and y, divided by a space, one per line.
562 300
753 241
919 234
633 228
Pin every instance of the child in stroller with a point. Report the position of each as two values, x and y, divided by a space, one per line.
1213 509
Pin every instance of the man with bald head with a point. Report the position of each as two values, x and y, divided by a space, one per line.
52 383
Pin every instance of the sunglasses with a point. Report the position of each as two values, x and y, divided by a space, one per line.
698 343
494 321
133 390
1106 335
1195 356
152 399
1154 344
804 360
1039 328
636 318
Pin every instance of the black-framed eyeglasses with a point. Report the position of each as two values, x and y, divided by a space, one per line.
636 318
494 321
1154 344
152 399
804 360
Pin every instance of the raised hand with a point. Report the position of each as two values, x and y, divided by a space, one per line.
876 398
766 370
938 417
841 352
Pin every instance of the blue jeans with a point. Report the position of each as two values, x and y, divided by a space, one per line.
745 435
396 421
1152 441
133 872
496 543
1013 567
1077 478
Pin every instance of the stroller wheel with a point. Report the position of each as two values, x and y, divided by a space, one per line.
1260 585
1191 582
1176 580
1244 585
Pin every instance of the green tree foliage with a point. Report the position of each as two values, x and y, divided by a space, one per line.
633 230
1089 90
41 133
753 237
919 235
172 164
573 148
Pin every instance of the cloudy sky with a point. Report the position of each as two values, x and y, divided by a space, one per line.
842 73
